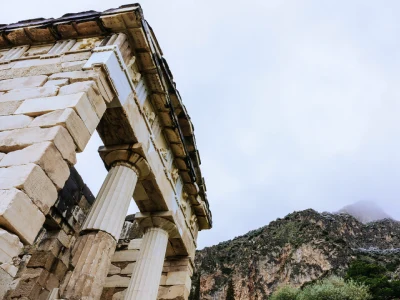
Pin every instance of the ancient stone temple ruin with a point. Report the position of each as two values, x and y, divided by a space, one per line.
60 81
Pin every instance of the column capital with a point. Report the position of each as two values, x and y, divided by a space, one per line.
162 220
128 155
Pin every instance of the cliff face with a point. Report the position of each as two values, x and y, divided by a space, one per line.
302 247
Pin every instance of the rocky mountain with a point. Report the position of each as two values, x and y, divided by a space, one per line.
365 211
298 249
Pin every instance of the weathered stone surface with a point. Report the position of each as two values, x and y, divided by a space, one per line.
31 284
68 119
90 88
29 93
33 181
125 256
79 102
58 82
117 281
175 292
76 56
114 270
19 215
135 244
23 82
10 246
14 122
5 282
9 268
20 138
45 155
72 65
2 155
128 269
8 108
91 257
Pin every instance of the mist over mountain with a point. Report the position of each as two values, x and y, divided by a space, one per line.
365 211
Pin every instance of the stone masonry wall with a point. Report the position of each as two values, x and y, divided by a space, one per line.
49 108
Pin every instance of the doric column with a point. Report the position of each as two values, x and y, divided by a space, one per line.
93 249
146 275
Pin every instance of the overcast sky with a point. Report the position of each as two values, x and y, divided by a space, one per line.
296 104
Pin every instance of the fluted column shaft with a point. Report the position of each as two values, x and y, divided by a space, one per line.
146 274
109 211
93 249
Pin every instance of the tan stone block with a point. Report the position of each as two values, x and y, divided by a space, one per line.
113 270
68 119
5 283
176 278
76 56
135 244
73 65
58 82
19 215
117 281
43 154
163 279
76 76
8 108
20 138
24 82
90 88
29 93
10 246
97 76
79 102
125 256
14 122
9 268
128 270
33 181
27 63
173 292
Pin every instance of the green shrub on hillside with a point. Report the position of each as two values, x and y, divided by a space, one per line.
332 288
374 276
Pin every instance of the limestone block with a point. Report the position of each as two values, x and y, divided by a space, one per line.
27 63
72 65
113 270
96 76
90 88
128 269
119 295
14 122
33 181
2 155
29 93
116 281
58 82
173 292
10 246
5 282
68 119
45 155
19 215
135 244
8 108
76 56
125 256
175 278
9 268
79 102
20 138
76 76
23 82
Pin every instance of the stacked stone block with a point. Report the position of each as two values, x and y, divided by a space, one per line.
49 107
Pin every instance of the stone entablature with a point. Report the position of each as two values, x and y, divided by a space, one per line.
60 80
